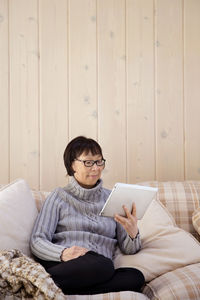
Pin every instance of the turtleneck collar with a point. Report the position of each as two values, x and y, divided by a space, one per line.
81 193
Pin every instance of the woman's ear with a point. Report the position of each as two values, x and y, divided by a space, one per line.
73 167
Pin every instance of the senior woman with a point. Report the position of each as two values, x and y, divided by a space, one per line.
72 241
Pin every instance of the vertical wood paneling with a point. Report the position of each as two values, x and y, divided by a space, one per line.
111 87
140 90
53 91
24 131
169 90
125 72
191 87
4 93
82 71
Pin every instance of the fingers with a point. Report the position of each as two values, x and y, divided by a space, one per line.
120 219
129 222
127 212
73 252
123 220
133 210
76 250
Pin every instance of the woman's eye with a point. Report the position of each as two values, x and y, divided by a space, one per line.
89 162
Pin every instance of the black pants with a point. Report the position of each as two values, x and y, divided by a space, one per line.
92 274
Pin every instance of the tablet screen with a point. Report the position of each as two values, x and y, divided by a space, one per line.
126 194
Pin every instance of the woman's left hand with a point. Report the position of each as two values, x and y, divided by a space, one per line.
129 222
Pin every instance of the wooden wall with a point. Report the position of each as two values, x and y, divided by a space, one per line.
124 72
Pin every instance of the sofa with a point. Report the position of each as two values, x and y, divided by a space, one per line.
169 258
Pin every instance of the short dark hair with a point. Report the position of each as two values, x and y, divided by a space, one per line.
76 147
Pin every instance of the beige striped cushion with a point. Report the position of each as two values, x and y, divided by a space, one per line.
181 284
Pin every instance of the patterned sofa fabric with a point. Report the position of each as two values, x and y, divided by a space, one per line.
111 296
181 199
196 220
180 284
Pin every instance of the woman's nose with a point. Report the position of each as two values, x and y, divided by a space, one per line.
94 167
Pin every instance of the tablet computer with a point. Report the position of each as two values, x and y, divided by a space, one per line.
126 194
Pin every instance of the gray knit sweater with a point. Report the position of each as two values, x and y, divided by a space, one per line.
70 216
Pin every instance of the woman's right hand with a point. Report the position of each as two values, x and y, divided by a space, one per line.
73 252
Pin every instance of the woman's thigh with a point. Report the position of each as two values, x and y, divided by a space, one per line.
84 271
124 279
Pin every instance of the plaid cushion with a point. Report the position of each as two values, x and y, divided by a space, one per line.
39 197
181 199
180 284
196 220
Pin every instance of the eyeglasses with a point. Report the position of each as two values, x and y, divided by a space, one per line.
90 163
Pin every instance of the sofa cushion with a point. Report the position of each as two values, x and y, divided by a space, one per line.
110 296
196 220
17 215
182 283
165 247
39 197
181 198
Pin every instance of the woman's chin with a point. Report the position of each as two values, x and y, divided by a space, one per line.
89 184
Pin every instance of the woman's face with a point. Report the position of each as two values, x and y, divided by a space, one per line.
87 177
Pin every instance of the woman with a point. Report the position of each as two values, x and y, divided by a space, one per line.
76 245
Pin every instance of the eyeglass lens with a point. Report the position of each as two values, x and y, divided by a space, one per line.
90 163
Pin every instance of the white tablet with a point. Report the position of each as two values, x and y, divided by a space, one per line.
126 194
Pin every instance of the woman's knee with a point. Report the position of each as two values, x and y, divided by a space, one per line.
138 279
131 279
141 279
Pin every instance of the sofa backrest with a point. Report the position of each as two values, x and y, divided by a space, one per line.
180 198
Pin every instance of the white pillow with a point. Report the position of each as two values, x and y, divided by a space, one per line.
165 247
17 215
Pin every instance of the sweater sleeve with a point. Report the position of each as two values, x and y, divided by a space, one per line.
45 226
126 244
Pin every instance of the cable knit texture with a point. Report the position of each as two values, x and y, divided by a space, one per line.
70 216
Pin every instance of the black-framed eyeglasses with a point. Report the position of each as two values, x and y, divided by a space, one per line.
90 163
